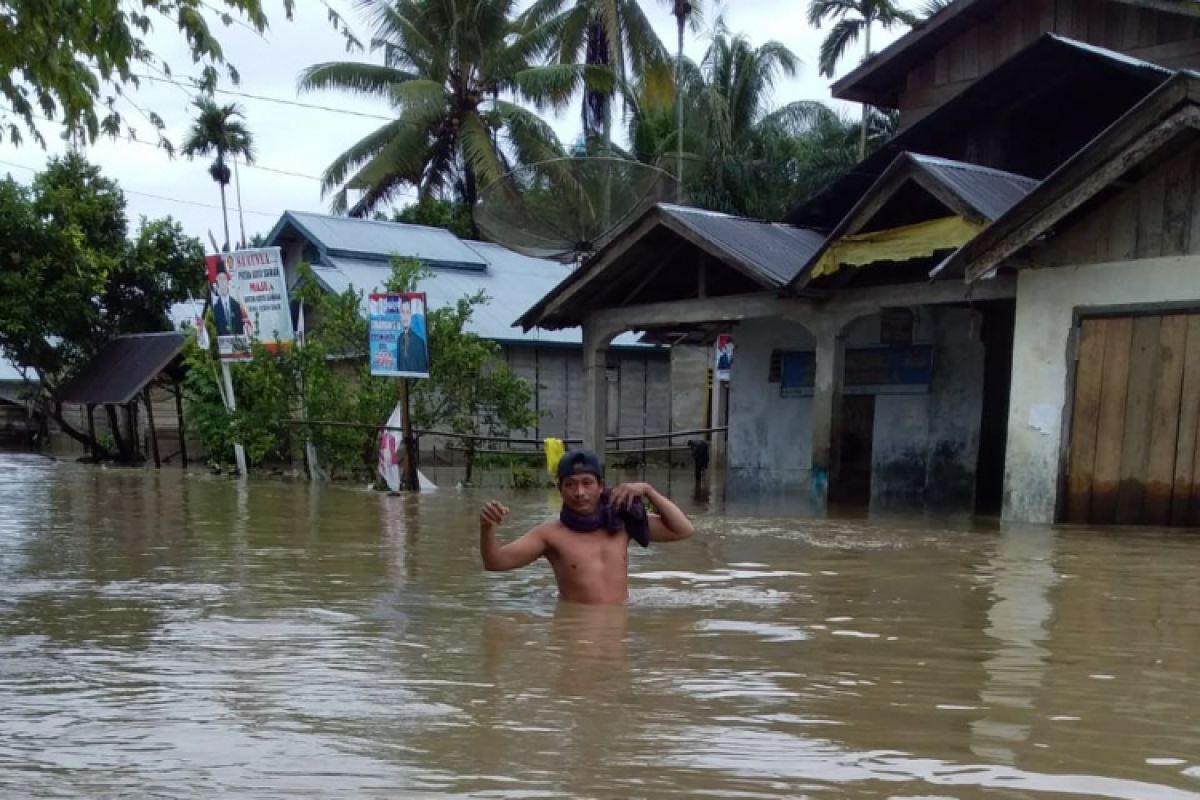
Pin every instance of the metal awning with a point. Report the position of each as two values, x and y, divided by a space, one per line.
123 368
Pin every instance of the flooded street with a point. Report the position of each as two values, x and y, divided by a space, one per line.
170 636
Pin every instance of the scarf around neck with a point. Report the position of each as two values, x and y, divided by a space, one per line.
633 519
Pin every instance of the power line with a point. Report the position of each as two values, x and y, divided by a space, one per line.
154 196
194 84
157 146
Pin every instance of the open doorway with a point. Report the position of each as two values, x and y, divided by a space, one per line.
999 322
853 486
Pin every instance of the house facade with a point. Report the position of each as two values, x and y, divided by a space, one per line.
911 334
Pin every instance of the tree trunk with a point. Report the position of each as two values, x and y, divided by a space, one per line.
54 412
114 425
679 109
237 182
225 214
862 139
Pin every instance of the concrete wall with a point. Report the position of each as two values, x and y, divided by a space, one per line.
689 377
770 437
1046 304
925 446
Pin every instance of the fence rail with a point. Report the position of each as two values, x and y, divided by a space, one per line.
510 440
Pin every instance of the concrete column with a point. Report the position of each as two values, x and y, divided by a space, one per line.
827 404
595 387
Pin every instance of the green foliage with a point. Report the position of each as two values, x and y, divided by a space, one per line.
434 213
71 61
447 67
219 131
469 389
72 280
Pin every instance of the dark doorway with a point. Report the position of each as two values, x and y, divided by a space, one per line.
999 321
853 486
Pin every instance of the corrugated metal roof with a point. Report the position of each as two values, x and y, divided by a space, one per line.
123 368
347 236
777 252
512 281
991 192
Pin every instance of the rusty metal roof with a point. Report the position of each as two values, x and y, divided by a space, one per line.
123 368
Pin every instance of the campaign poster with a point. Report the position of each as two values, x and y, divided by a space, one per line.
399 343
248 294
724 357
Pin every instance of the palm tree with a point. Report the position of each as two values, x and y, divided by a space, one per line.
446 68
728 96
854 18
610 37
220 131
683 11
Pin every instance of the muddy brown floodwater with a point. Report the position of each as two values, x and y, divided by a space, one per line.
190 637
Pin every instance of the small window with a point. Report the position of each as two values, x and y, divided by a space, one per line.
896 326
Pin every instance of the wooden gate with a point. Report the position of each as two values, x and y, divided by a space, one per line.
1133 456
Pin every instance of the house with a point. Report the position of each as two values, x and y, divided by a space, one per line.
896 344
354 253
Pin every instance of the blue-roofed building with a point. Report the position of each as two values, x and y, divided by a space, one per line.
346 252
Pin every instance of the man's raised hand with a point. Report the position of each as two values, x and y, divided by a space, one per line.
492 514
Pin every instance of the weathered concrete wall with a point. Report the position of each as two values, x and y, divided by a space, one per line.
925 446
689 399
1046 304
955 409
770 437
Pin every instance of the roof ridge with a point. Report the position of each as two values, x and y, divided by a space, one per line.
953 164
384 222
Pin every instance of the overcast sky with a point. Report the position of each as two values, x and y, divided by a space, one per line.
293 139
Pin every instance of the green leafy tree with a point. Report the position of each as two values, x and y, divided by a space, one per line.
854 18
72 61
469 390
447 70
219 131
435 213
72 280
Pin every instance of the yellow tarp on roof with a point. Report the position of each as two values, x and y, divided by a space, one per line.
896 244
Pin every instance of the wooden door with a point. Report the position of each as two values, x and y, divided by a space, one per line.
1133 457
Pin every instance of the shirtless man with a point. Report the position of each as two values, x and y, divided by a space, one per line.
587 546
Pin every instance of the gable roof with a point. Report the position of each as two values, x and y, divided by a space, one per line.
880 78
122 369
1054 65
766 253
974 193
1155 123
372 239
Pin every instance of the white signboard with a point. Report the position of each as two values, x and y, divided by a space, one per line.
249 301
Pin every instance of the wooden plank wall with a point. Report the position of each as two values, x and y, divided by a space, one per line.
1133 451
643 394
1158 215
1166 39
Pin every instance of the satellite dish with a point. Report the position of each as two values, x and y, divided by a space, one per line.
568 208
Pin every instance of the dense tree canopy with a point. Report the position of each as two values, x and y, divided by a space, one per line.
71 279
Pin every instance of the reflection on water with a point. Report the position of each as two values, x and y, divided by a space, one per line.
171 636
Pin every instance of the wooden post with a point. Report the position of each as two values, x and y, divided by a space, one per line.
182 430
92 431
150 421
411 480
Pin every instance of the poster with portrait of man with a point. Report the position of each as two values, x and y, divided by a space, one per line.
399 342
249 300
724 357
